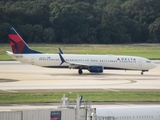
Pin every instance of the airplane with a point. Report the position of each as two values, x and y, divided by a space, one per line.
128 113
93 63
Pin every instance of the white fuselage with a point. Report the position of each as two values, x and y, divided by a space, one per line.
129 113
107 61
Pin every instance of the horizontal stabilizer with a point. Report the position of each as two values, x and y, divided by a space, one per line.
13 55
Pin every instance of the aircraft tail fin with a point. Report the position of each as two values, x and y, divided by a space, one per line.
18 45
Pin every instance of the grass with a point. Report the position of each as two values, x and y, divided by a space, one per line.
106 96
150 51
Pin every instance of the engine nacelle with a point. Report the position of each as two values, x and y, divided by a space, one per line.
97 69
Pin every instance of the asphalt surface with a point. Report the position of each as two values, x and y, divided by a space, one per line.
18 77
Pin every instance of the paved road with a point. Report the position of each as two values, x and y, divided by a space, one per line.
18 77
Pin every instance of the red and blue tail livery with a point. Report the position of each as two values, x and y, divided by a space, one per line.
18 44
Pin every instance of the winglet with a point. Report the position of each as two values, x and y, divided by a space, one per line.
61 51
62 59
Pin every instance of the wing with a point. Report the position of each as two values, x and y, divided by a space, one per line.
74 64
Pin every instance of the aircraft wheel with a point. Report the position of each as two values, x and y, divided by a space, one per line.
80 71
142 73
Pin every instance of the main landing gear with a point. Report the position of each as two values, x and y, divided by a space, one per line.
80 71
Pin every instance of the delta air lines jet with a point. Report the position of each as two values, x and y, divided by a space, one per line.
93 63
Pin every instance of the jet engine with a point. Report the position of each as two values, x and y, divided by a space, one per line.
97 69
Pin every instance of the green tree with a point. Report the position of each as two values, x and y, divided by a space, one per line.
154 31
3 32
38 34
27 32
82 21
49 35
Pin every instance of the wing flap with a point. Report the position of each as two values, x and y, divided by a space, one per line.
78 65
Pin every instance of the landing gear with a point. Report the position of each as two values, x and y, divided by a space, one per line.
80 71
142 73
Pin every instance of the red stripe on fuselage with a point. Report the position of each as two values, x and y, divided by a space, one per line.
19 42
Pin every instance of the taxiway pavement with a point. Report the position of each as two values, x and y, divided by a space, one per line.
18 77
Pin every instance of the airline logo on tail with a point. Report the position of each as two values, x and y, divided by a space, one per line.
17 43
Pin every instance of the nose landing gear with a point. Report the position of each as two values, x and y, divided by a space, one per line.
142 72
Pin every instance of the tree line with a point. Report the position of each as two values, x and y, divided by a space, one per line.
82 21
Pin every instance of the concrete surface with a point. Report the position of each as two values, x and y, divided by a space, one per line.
18 77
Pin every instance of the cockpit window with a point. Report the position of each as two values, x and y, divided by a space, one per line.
148 61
